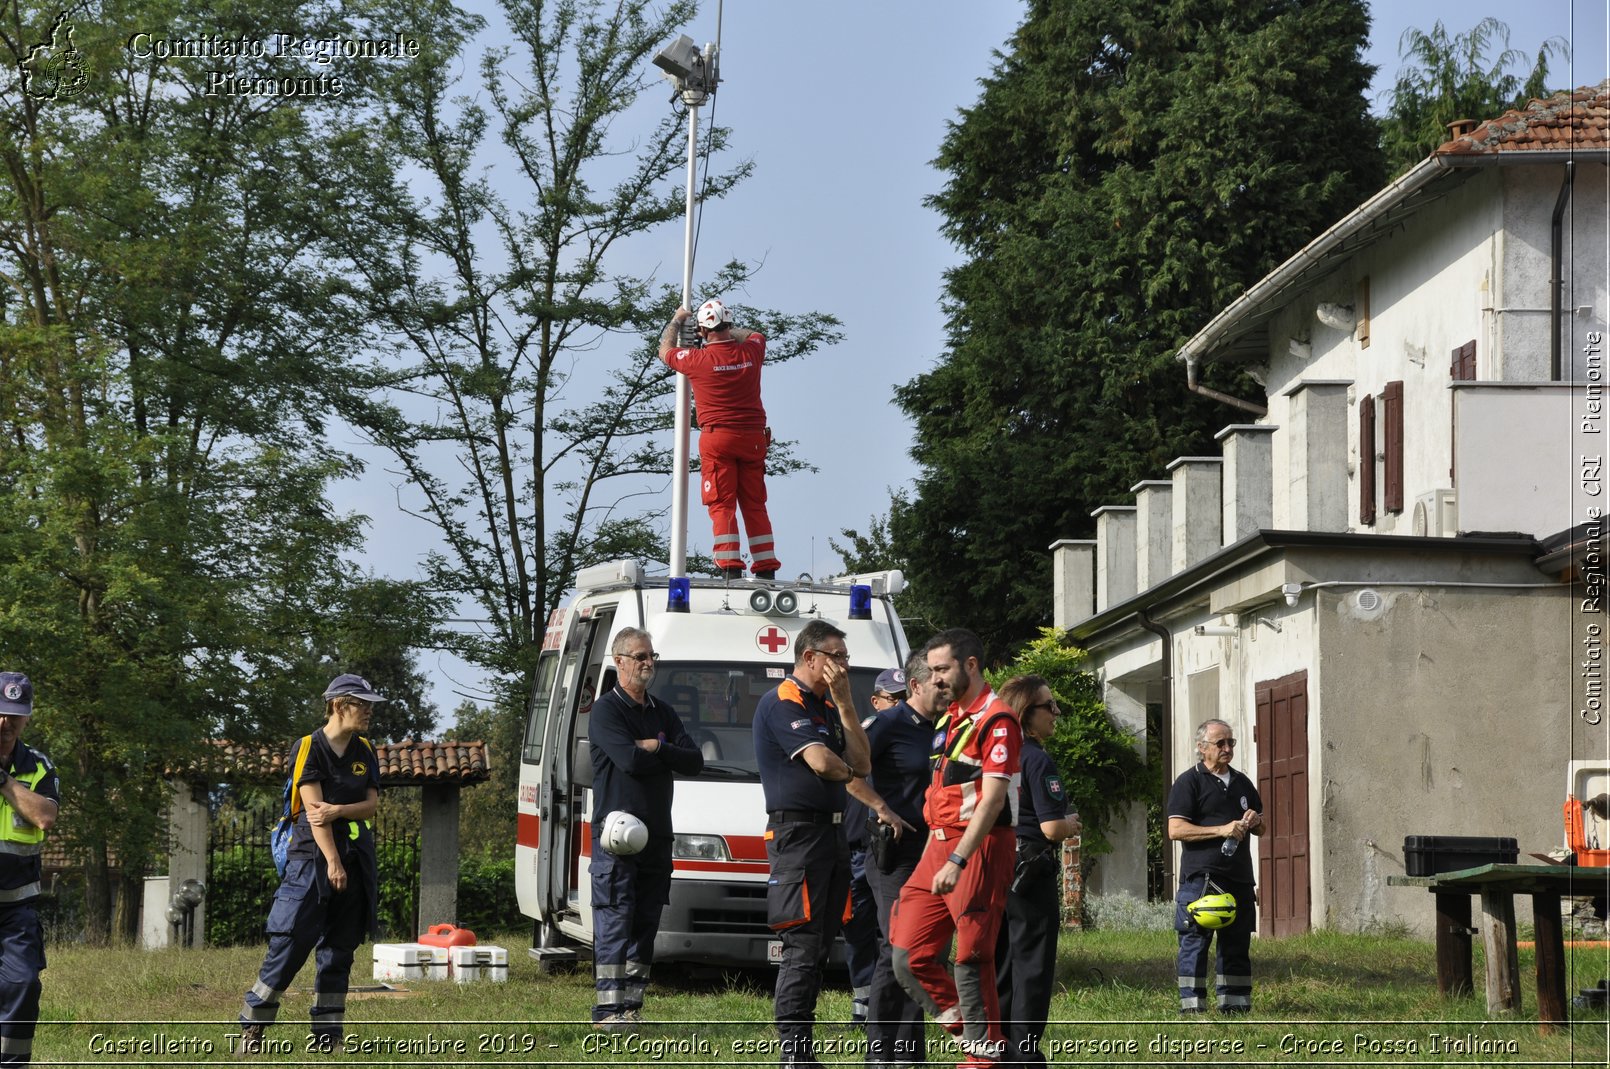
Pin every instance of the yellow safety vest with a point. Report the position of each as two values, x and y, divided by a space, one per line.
18 836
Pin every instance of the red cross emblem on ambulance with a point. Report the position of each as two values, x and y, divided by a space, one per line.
772 639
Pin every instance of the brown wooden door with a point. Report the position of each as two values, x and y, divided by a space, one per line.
1282 734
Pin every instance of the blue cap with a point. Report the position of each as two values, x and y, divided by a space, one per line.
16 695
890 681
351 686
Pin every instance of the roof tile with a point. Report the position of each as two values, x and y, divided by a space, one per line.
1573 120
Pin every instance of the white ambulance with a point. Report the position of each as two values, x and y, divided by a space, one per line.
734 643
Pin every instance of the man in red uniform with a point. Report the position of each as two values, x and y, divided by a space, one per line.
960 884
733 437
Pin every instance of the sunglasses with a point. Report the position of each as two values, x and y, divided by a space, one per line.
1225 744
640 658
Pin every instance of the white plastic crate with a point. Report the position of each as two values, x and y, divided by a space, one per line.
410 961
479 963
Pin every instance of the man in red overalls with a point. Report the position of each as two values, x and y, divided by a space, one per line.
960 884
733 437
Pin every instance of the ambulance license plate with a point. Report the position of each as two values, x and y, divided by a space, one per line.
774 951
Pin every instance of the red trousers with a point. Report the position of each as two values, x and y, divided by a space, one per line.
732 467
921 927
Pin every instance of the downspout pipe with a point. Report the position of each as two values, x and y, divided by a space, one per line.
1196 387
1165 737
1556 282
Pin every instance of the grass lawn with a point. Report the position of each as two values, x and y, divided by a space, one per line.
1319 999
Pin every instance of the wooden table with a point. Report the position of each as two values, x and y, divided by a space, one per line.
1498 885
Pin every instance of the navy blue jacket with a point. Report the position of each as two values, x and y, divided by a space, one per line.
628 777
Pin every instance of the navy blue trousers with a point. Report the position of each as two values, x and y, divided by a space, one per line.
628 895
1234 960
22 959
308 915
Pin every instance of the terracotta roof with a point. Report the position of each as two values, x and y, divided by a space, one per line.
1574 120
406 763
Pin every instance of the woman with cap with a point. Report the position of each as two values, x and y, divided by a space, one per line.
1026 952
327 898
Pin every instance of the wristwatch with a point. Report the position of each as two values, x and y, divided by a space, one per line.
957 860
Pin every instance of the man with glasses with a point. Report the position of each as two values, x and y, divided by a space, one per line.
637 743
1210 807
959 887
808 744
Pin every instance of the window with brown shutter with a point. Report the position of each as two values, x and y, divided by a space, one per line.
1463 368
1366 461
1361 305
1392 469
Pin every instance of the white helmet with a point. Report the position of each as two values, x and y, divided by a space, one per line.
623 833
712 314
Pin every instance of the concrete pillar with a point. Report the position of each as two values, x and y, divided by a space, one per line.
438 855
1073 581
1115 555
1198 509
1317 473
1124 869
1154 531
188 826
1249 469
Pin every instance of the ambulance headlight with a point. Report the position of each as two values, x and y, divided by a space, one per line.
701 848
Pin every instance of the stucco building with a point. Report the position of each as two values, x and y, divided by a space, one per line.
1388 579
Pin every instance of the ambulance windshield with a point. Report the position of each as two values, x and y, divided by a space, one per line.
716 703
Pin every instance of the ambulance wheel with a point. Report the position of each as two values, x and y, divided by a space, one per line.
556 966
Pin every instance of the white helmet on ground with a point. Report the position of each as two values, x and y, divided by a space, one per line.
713 315
623 833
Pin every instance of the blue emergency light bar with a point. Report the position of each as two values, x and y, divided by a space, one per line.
861 602
676 599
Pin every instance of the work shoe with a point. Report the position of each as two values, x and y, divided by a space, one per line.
618 1023
951 1021
769 573
324 1042
858 1013
251 1041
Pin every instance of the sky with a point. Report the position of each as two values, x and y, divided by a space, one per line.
842 104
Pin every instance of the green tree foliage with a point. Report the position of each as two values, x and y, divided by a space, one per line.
516 382
486 817
875 551
374 632
1102 770
165 340
1452 77
1127 171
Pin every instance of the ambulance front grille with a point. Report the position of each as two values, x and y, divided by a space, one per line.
736 916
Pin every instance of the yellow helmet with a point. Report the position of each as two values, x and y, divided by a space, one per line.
1213 911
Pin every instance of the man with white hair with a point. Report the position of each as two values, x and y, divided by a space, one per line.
29 796
733 436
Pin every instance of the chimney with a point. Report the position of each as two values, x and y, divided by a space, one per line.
1154 531
1249 469
1316 471
1198 509
1115 555
1461 128
1073 582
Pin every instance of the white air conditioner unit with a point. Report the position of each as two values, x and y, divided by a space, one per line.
1436 515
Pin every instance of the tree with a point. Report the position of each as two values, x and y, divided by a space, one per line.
1451 78
486 818
497 309
875 552
1127 171
168 548
374 632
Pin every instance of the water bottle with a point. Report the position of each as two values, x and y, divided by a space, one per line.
1230 846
